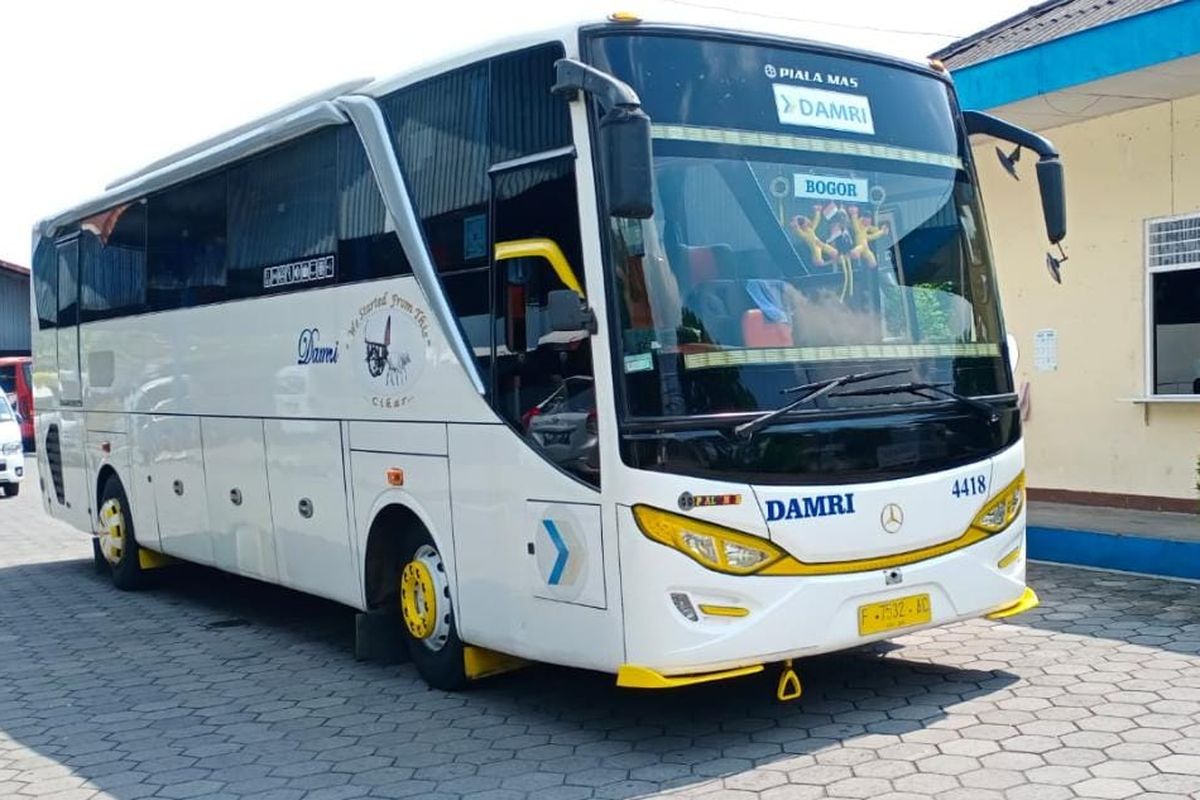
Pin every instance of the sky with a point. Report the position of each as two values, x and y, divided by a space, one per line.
91 91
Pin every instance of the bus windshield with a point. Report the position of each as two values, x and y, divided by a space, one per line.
814 215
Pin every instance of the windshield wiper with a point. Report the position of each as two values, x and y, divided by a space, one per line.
923 389
812 392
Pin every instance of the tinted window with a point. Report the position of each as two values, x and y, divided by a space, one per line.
469 294
526 117
45 284
68 283
440 131
186 244
113 262
282 214
368 246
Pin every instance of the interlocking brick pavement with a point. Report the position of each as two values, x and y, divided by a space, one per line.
209 686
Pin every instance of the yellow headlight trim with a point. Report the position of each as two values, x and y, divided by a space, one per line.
999 512
714 546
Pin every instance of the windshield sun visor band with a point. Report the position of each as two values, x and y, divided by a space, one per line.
789 355
808 144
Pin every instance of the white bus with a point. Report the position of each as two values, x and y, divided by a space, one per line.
662 351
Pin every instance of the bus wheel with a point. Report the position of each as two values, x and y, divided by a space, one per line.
116 540
433 643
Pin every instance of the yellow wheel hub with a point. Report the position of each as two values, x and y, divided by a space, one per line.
418 599
112 531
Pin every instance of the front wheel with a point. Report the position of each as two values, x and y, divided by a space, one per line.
116 540
428 617
12 489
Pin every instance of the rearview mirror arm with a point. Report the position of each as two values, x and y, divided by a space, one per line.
986 124
573 76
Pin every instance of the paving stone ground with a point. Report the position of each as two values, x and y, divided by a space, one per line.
209 686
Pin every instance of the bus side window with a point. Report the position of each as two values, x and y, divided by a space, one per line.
544 384
367 244
113 262
45 283
185 244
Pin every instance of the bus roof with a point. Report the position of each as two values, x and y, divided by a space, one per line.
317 110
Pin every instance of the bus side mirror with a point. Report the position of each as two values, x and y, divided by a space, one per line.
1051 183
1054 199
567 311
624 136
626 156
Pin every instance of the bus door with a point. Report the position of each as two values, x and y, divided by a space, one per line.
70 387
529 538
65 443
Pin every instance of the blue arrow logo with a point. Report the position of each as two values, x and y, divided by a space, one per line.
560 561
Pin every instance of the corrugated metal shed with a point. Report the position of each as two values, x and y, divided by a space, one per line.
1041 23
14 310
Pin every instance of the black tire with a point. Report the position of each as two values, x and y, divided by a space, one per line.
441 668
12 489
127 571
99 563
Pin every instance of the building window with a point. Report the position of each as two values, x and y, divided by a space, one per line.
1173 297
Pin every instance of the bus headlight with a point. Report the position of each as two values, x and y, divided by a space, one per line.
1002 509
713 546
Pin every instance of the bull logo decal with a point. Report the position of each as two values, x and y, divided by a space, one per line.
382 361
377 352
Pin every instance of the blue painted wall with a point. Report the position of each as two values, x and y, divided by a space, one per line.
1114 551
1122 46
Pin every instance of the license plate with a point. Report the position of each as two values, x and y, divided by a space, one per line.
892 614
556 437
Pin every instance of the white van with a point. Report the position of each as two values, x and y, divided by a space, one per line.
12 455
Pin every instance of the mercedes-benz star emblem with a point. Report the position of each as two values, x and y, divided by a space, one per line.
892 518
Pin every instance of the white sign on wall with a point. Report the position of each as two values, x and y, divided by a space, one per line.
820 108
1045 350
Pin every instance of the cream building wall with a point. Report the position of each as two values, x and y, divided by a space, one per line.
1121 169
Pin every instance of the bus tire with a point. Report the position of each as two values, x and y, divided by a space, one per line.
117 542
427 616
12 489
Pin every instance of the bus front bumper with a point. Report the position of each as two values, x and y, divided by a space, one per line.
682 619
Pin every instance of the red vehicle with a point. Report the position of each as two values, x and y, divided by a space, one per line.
16 381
